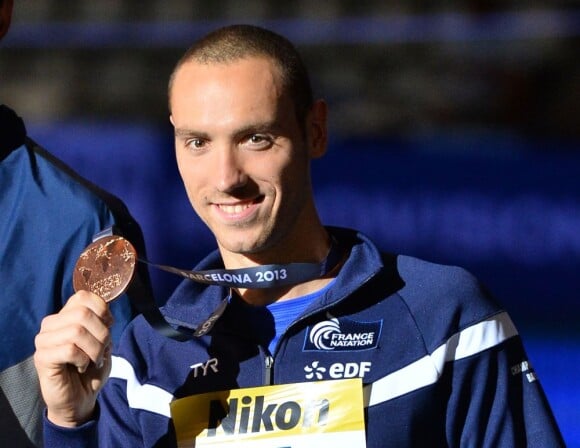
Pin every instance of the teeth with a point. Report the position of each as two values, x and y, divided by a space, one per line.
237 208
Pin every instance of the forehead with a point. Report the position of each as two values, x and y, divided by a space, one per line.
246 78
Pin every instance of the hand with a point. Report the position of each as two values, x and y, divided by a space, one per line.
73 358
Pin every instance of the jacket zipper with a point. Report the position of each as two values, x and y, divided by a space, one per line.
269 359
268 364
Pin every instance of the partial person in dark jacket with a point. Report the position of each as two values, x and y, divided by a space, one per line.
436 362
48 215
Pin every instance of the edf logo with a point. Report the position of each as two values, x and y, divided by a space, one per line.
338 370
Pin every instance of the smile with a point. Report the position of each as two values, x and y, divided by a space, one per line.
234 208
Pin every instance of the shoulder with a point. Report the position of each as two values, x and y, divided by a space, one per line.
443 300
58 175
442 281
79 198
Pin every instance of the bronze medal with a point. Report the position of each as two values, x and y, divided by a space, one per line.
106 267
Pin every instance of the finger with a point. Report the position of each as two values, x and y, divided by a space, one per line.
70 346
55 358
79 319
93 302
89 336
84 308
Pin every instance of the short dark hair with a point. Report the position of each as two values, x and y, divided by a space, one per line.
240 41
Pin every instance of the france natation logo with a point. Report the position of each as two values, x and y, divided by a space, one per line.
342 335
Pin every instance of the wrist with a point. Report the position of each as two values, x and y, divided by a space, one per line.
70 419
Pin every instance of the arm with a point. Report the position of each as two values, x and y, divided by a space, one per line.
497 400
493 395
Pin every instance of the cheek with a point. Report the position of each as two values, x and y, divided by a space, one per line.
190 179
181 166
294 172
186 166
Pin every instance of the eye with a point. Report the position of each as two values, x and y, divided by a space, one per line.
258 141
256 138
195 144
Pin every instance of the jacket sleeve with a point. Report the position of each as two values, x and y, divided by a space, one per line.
113 425
84 436
496 400
118 424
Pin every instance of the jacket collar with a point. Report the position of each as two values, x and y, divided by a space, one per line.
192 303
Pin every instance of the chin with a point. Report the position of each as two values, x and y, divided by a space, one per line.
238 246
246 247
245 241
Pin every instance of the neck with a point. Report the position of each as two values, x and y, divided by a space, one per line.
317 254
263 297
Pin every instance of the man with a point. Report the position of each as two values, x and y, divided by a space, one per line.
441 363
49 214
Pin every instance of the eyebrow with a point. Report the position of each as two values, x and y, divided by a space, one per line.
184 132
271 126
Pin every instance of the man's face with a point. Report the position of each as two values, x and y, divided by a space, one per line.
243 156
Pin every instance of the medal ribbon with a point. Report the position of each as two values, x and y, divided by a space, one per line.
258 277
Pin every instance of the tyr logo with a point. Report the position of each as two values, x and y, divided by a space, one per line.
202 367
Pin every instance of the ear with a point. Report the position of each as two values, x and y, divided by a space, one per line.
317 129
5 16
171 120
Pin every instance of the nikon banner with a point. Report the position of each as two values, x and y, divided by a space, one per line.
320 413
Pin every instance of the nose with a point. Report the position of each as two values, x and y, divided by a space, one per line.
230 174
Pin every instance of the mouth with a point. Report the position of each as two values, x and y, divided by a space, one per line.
239 210
233 209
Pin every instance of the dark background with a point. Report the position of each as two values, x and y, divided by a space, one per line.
455 134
